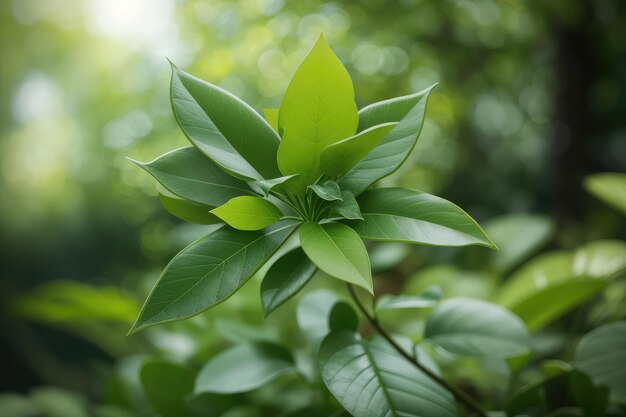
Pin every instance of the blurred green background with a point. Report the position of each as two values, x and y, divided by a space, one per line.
531 98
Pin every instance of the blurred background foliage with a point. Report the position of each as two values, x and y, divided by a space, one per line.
530 100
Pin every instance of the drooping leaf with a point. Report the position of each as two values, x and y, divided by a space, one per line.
328 191
209 271
371 379
271 117
248 213
285 278
166 385
340 157
244 368
187 173
266 186
224 128
464 326
403 215
601 354
393 150
609 187
187 210
313 312
347 207
427 299
337 250
318 109
343 317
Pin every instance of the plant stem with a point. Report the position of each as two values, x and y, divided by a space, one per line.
460 395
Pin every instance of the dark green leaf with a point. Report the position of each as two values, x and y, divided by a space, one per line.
285 278
244 368
224 128
188 174
328 191
209 271
403 215
266 186
391 153
347 207
187 210
166 384
370 379
343 317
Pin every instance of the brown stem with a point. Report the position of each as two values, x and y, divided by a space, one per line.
461 396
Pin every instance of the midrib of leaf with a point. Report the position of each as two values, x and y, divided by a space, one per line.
393 216
202 181
381 382
342 253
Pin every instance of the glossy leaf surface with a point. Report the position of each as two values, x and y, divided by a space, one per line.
465 326
347 207
244 368
328 191
393 150
224 128
337 250
371 379
403 215
248 213
266 186
209 271
285 278
338 158
187 173
318 109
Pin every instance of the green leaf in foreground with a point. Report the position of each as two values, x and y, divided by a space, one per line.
222 126
187 210
318 109
244 368
328 191
403 215
209 271
337 250
371 379
395 148
602 355
609 187
339 157
465 326
285 278
248 213
347 207
266 186
187 173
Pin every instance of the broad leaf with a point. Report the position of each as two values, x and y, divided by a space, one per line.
609 187
395 302
318 109
271 116
166 385
395 148
337 250
464 326
328 191
209 271
313 312
187 210
266 186
403 215
371 379
340 157
187 173
347 207
224 128
248 213
601 354
343 317
244 368
285 278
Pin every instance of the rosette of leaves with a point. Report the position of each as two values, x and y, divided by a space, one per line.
307 168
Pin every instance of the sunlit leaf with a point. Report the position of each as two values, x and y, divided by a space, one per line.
248 213
609 187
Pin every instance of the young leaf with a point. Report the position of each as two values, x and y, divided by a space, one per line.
337 250
248 213
318 109
402 215
244 368
608 187
391 153
224 128
469 327
285 279
601 354
271 117
328 191
166 385
209 271
187 173
187 210
266 186
369 378
338 158
347 207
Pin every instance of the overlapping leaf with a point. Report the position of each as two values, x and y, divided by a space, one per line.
248 213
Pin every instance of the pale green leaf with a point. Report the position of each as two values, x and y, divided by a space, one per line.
248 213
337 250
312 314
609 187
328 191
429 298
271 116
318 109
